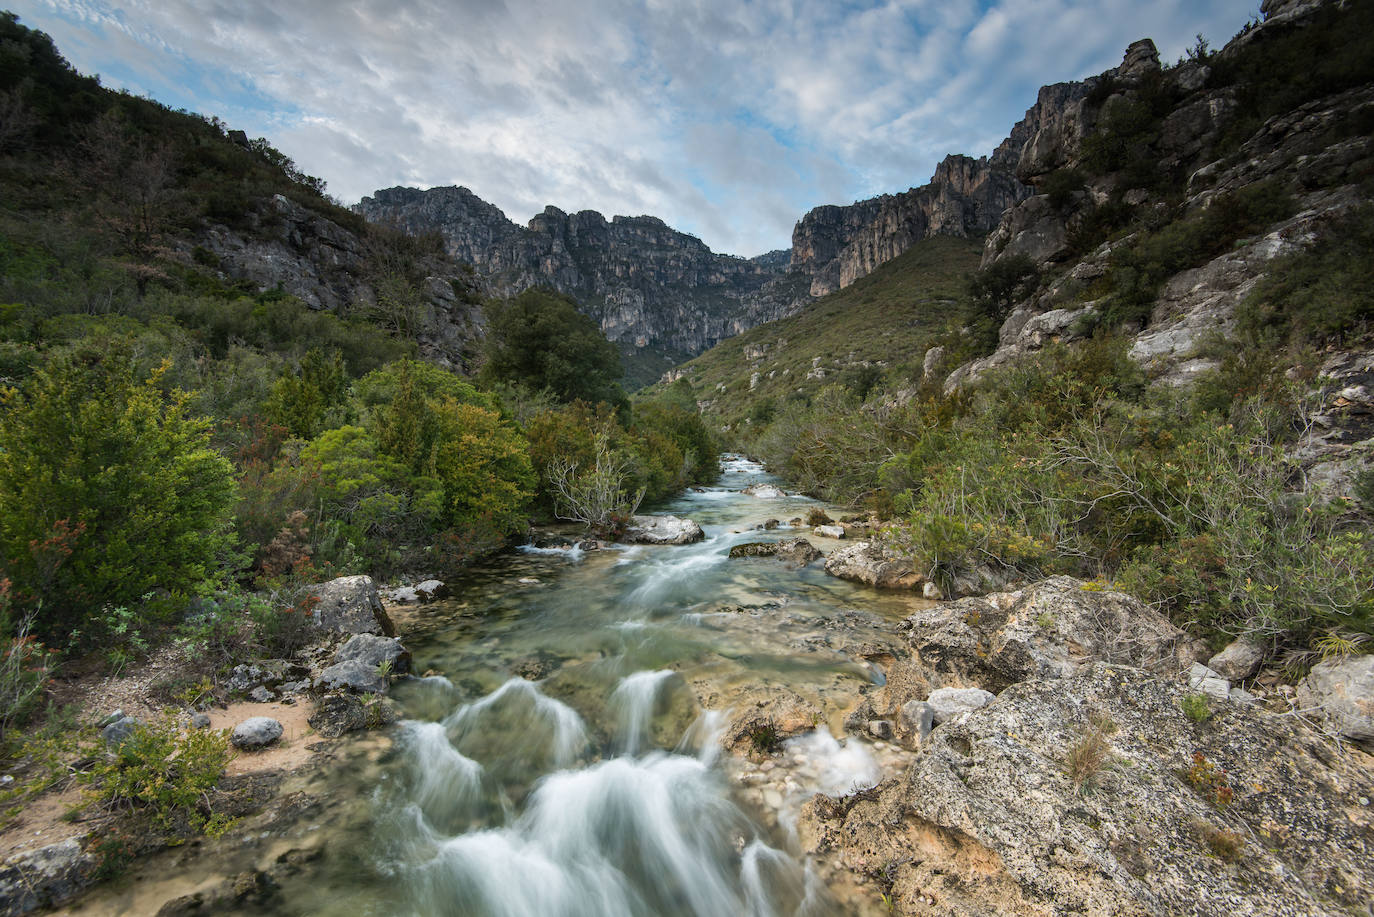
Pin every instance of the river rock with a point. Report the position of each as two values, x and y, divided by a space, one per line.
829 531
948 703
986 819
868 562
767 713
255 732
1344 691
353 675
1047 629
431 589
663 530
1239 660
374 651
764 491
796 551
352 605
44 878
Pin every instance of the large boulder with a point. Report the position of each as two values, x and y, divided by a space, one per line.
1002 812
354 675
1047 629
351 605
870 563
1343 691
663 530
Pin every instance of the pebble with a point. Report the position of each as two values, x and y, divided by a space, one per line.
772 798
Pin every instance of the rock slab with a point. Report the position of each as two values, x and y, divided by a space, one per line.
1343 690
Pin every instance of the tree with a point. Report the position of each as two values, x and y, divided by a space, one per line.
108 491
541 340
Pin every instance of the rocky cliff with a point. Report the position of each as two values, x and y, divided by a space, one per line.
834 246
647 284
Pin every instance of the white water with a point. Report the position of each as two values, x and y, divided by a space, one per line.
633 701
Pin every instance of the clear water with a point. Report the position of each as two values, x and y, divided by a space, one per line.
594 784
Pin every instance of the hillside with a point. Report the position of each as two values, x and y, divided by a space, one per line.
879 325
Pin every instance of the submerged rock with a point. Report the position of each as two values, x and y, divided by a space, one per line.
352 605
663 530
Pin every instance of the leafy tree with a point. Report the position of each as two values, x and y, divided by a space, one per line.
303 401
108 491
541 340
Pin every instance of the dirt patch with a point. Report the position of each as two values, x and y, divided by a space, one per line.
288 753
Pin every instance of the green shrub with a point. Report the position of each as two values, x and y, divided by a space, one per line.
540 339
1195 707
108 491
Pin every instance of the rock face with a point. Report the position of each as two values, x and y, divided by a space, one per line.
352 605
1343 690
834 246
1246 813
645 283
663 530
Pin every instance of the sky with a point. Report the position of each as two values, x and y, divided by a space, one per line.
728 119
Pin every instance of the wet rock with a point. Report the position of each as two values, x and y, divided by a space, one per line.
796 551
1239 660
255 732
405 595
829 531
763 717
339 714
1201 678
115 733
948 703
868 562
44 878
1045 630
663 530
536 666
764 491
999 827
353 675
377 652
352 605
1343 690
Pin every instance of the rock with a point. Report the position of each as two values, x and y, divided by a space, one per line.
1343 690
764 491
868 562
255 732
1046 630
931 591
767 714
353 675
200 721
663 530
933 365
261 695
44 878
1201 678
375 652
431 589
948 703
770 524
405 595
914 722
339 714
986 819
351 605
114 717
1141 59
1238 661
829 531
796 551
880 729
119 730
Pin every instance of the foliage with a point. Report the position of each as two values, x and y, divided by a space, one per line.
540 339
1085 758
302 402
596 496
996 289
108 491
1195 707
1211 781
168 772
24 667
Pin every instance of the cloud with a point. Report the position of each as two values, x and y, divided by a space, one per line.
727 120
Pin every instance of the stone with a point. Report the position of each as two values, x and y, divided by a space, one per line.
405 595
353 675
351 605
255 732
915 719
261 695
121 729
795 551
880 729
663 530
339 714
1141 59
770 524
200 721
933 365
870 563
764 491
375 652
829 531
931 591
1238 661
759 712
1201 678
1343 691
431 589
44 878
986 820
948 703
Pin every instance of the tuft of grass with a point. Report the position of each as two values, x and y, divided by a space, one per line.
1228 846
765 739
1085 758
1195 707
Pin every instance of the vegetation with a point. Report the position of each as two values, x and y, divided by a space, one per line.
540 339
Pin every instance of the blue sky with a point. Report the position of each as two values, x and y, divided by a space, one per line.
727 119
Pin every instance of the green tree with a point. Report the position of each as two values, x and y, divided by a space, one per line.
539 339
108 491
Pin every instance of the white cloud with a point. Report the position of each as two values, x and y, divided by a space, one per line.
727 120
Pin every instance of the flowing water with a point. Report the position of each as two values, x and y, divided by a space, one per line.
560 755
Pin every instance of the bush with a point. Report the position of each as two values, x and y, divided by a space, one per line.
24 667
597 496
108 491
541 340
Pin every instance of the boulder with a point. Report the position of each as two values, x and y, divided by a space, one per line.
663 530
375 652
987 819
796 551
339 714
948 703
868 562
405 595
200 721
1045 630
1343 690
351 605
1238 661
1201 678
255 732
115 733
915 720
764 491
353 675
829 531
44 878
